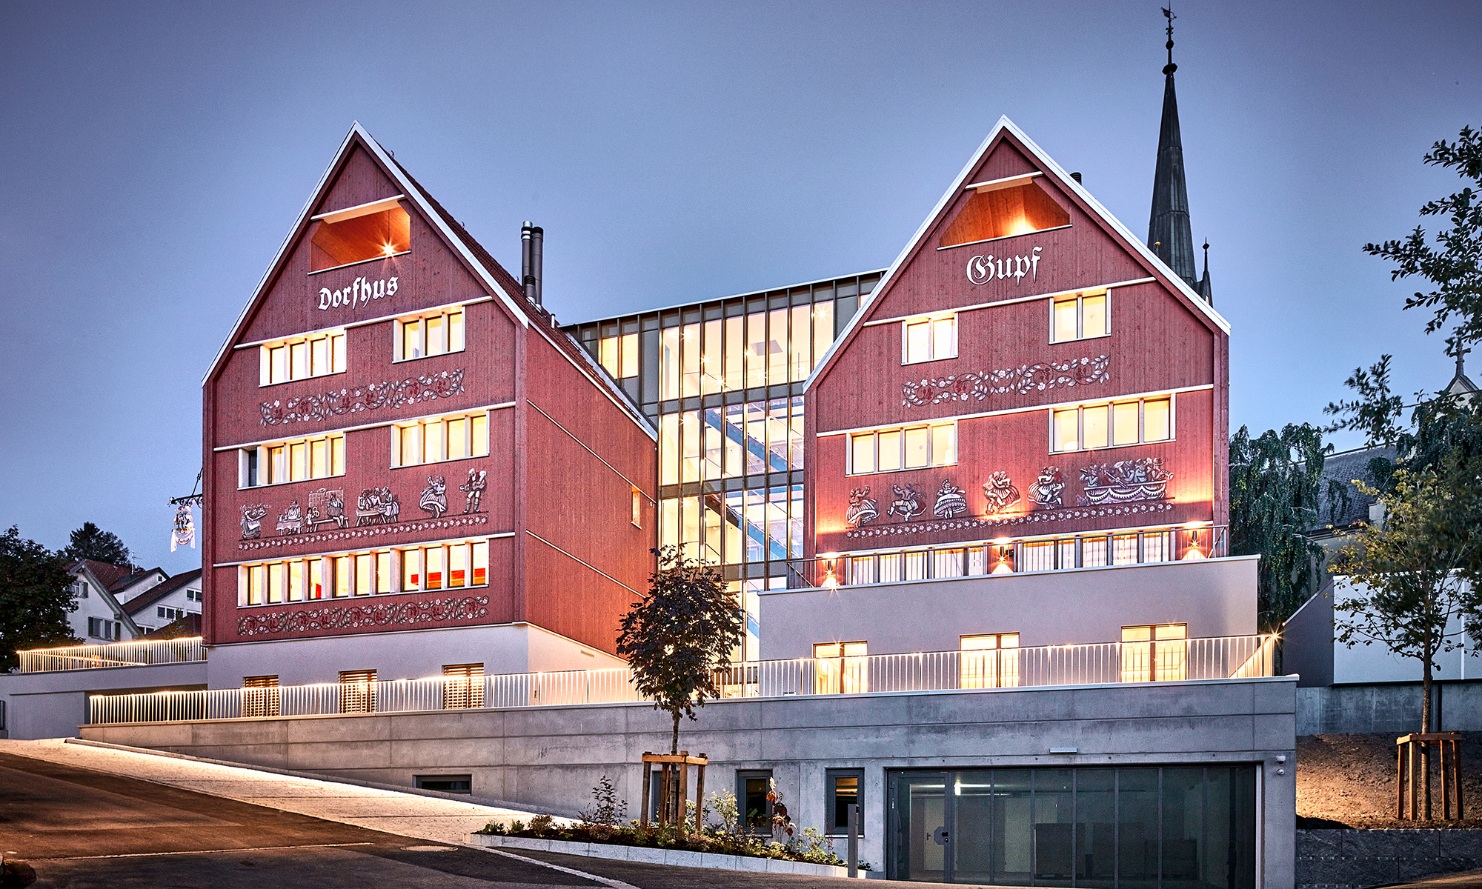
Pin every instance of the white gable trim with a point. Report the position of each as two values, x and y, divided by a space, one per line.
958 185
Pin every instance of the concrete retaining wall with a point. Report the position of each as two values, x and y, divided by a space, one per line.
1359 859
1367 709
549 758
53 705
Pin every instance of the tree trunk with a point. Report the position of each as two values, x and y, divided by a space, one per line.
1425 704
674 738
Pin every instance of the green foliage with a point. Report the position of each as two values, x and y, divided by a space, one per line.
1375 411
1274 484
723 803
1413 566
607 809
34 597
92 542
680 635
1453 264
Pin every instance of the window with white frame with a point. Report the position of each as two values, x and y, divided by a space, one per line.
450 565
1080 317
300 358
438 439
193 595
294 460
928 339
101 628
905 447
167 614
1111 424
422 336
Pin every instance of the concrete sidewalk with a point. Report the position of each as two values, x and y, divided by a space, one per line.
404 814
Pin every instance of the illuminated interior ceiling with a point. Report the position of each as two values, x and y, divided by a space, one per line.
1004 209
359 234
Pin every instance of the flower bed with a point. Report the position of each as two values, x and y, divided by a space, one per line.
712 841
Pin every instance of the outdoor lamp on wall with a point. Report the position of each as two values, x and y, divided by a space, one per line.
830 579
1004 559
1192 550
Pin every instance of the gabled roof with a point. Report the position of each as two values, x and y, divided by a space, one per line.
104 574
155 594
1006 128
498 282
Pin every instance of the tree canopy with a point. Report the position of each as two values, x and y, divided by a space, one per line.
1275 480
1410 571
1452 262
92 542
679 636
35 598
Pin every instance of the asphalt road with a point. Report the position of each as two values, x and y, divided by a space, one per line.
81 829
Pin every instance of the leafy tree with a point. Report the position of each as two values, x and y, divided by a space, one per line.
679 636
92 542
1274 484
34 597
1413 566
1453 264
1375 411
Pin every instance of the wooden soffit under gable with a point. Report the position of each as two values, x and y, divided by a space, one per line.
1005 154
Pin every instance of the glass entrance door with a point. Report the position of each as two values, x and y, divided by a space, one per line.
922 840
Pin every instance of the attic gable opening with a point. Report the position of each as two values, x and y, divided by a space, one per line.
1004 208
359 234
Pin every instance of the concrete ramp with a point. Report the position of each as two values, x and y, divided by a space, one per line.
429 817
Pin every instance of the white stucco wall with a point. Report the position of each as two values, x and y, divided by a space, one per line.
1215 597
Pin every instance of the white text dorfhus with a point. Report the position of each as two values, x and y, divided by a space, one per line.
356 293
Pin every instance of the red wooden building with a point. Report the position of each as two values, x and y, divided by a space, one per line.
1028 389
403 452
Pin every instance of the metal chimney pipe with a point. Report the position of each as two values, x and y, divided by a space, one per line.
532 240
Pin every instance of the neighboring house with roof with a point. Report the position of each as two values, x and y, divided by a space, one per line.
97 588
167 602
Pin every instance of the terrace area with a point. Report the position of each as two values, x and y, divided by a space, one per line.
140 653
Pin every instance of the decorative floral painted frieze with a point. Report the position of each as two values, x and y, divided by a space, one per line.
1125 481
372 396
1034 517
1020 380
370 615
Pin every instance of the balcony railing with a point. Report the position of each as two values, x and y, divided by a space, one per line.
1231 657
1085 550
144 652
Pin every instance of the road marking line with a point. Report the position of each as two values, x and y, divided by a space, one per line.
606 881
202 852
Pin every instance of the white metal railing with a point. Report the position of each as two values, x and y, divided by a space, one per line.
142 652
1230 657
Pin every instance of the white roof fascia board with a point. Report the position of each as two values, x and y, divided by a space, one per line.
957 187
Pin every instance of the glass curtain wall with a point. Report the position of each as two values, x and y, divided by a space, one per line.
723 382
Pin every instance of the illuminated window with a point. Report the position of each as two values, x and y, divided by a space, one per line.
453 565
618 355
438 439
358 234
910 447
990 660
300 358
1116 424
1079 317
463 686
357 691
301 459
423 336
637 517
1002 209
1156 653
840 668
928 339
843 788
260 695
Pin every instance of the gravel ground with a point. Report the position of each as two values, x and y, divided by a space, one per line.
1349 781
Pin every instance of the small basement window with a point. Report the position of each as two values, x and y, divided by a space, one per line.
1004 208
445 783
358 234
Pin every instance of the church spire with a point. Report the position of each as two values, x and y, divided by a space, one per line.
1169 233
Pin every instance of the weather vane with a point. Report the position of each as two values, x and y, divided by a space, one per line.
1168 14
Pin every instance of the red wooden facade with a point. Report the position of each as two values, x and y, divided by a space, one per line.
568 457
1008 375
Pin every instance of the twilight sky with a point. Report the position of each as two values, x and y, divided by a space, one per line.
157 154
